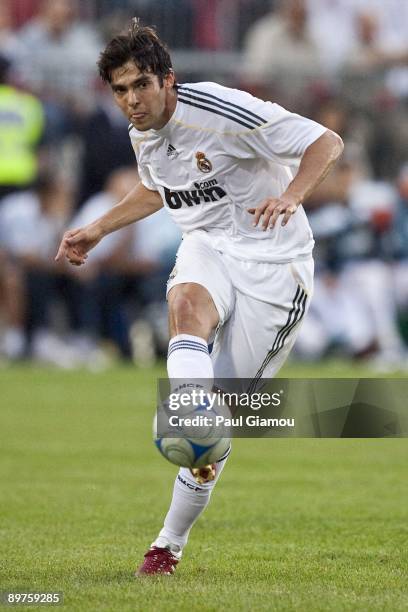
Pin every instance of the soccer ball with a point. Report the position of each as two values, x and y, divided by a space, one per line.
194 434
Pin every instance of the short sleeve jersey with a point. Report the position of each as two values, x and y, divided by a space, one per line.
224 151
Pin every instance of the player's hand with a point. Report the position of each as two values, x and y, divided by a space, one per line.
76 243
271 208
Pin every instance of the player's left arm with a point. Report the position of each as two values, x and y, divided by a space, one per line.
315 164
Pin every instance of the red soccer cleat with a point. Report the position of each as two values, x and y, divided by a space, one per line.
158 561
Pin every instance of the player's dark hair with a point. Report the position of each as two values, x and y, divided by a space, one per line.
141 45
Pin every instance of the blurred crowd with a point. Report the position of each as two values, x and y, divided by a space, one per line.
65 158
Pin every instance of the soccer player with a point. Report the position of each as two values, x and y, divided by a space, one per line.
232 171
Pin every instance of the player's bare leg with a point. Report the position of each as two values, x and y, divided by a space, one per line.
191 311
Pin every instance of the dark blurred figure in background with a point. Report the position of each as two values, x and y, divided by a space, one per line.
155 242
105 145
96 293
21 129
375 80
354 308
30 223
120 295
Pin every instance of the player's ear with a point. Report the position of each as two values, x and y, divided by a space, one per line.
169 79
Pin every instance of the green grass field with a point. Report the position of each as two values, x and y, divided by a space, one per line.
295 524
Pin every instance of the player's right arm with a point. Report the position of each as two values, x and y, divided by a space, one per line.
137 204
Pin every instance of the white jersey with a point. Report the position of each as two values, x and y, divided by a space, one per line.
224 151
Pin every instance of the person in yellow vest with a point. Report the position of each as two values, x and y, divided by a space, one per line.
21 129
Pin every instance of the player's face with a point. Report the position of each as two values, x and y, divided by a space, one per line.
140 97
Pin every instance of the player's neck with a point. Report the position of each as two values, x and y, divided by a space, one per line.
170 107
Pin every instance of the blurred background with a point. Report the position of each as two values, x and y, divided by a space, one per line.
65 158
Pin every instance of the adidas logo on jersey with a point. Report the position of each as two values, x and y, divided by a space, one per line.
172 152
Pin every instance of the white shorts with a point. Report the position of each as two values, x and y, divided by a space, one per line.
260 305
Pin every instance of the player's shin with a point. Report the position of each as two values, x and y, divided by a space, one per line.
188 502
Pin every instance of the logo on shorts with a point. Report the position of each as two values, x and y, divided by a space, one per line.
203 164
172 152
173 273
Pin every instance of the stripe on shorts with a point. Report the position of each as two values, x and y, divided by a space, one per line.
294 317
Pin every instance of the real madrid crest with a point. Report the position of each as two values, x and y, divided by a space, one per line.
203 163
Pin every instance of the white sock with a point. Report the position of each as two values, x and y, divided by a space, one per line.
188 358
188 502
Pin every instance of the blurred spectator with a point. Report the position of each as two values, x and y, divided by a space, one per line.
96 292
332 27
106 146
364 35
21 128
130 266
353 164
60 56
365 54
365 77
156 240
364 253
354 305
392 28
280 52
378 52
30 225
249 12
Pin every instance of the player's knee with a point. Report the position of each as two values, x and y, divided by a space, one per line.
187 315
192 311
184 310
